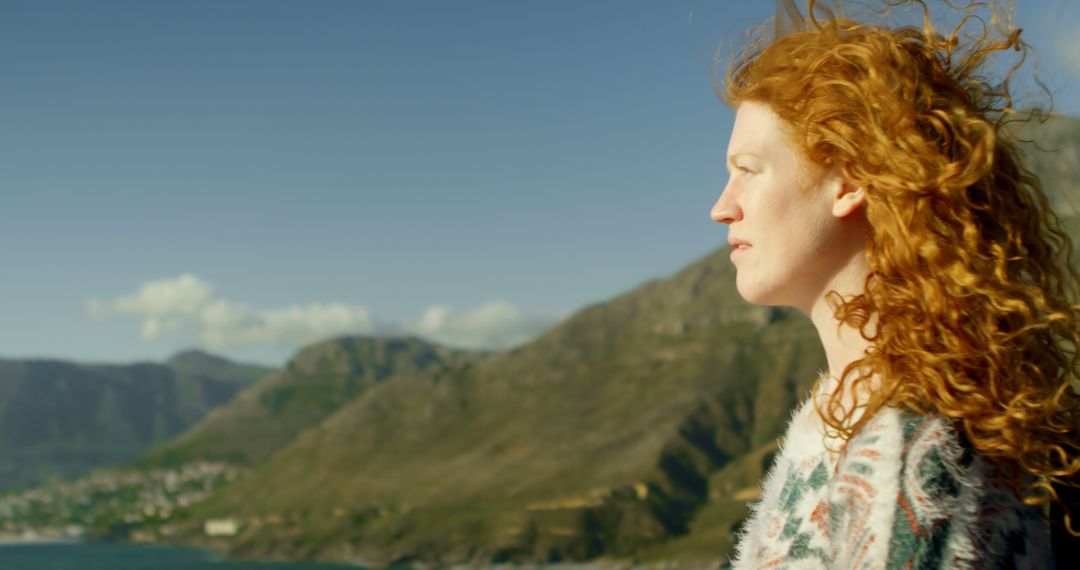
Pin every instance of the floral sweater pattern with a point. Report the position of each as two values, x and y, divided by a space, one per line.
905 492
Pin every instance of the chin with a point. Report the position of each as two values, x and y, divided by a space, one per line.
750 295
758 295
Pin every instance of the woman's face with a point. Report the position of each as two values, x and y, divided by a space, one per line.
781 214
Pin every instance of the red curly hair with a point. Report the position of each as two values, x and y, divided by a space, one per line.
968 304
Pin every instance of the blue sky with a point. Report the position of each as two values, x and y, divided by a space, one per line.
249 176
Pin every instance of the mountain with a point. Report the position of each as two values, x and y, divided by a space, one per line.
62 419
599 438
316 382
208 381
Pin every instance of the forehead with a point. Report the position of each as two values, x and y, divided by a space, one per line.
757 128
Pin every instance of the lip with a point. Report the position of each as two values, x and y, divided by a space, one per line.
738 246
736 242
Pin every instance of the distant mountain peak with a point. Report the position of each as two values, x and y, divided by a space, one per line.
196 357
202 363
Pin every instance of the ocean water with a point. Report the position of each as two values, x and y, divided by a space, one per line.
119 556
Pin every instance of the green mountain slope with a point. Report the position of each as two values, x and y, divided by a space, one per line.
63 419
315 383
596 439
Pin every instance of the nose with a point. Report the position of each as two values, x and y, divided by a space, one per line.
726 211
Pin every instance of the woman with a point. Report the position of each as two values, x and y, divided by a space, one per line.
873 185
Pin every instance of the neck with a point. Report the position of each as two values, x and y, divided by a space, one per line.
843 343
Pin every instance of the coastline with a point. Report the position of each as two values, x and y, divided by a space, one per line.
18 540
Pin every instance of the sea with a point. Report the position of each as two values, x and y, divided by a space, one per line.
124 556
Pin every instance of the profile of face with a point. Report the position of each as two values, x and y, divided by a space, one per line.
790 223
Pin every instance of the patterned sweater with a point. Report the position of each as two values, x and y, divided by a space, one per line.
905 492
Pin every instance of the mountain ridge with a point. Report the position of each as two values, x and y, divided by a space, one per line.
316 381
501 442
62 419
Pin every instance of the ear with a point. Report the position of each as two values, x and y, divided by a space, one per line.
847 198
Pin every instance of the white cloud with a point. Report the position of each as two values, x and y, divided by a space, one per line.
187 303
161 303
496 325
223 324
183 295
165 304
154 327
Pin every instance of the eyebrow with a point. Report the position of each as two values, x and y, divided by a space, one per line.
732 158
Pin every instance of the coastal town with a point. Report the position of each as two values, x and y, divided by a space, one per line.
109 504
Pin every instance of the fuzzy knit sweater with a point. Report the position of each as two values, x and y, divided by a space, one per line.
905 492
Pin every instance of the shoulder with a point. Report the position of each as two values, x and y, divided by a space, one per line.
907 491
863 491
937 470
911 491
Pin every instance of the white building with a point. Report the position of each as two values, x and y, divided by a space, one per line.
221 527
